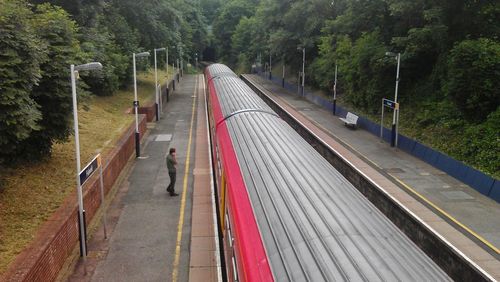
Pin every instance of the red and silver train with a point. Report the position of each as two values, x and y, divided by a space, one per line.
285 213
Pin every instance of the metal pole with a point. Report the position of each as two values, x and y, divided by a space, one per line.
178 70
397 127
382 123
104 224
283 75
136 110
167 63
182 61
270 67
394 133
83 238
335 92
303 69
157 101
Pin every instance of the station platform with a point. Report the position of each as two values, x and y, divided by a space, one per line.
151 235
467 219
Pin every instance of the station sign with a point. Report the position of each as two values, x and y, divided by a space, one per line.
390 104
87 172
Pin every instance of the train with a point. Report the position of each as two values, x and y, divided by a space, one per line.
284 212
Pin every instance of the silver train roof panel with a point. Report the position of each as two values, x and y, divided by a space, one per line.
314 224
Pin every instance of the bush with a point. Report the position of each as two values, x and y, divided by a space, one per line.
473 77
21 53
53 93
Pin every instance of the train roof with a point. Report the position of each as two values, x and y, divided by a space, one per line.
315 225
220 70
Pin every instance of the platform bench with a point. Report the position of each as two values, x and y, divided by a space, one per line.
350 120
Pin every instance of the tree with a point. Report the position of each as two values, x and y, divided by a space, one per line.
53 93
225 23
472 80
21 53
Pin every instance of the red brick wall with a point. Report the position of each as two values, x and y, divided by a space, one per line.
149 111
55 240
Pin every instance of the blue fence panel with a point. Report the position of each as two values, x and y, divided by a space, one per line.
495 191
446 164
404 143
459 170
340 111
419 151
481 182
431 156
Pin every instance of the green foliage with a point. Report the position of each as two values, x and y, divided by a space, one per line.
473 77
449 57
21 54
209 9
53 93
40 39
225 24
482 147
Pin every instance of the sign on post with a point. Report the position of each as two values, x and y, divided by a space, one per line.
87 172
390 104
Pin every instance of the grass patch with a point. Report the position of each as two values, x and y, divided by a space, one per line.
31 193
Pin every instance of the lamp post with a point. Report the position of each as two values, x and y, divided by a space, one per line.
74 71
395 117
136 104
157 88
270 66
303 67
166 62
196 59
335 91
283 74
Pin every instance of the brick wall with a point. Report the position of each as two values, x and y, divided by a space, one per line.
58 236
148 110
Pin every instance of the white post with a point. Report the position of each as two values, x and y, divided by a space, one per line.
335 92
270 66
283 75
157 102
83 240
382 123
136 111
167 63
303 69
395 112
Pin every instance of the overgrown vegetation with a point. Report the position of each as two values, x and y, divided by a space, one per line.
450 60
39 39
32 192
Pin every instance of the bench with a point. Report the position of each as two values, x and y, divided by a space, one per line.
350 120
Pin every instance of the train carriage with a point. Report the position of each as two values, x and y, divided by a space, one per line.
285 212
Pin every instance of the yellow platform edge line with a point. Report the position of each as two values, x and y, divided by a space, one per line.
175 271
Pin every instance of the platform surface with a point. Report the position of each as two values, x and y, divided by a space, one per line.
150 240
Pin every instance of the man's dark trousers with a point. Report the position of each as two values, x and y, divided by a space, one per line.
171 186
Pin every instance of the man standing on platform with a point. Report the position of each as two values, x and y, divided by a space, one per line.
172 172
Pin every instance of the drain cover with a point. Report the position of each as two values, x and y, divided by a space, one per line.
163 137
457 195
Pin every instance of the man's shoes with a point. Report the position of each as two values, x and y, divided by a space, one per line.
173 194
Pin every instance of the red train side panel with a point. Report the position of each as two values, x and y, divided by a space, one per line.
251 259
